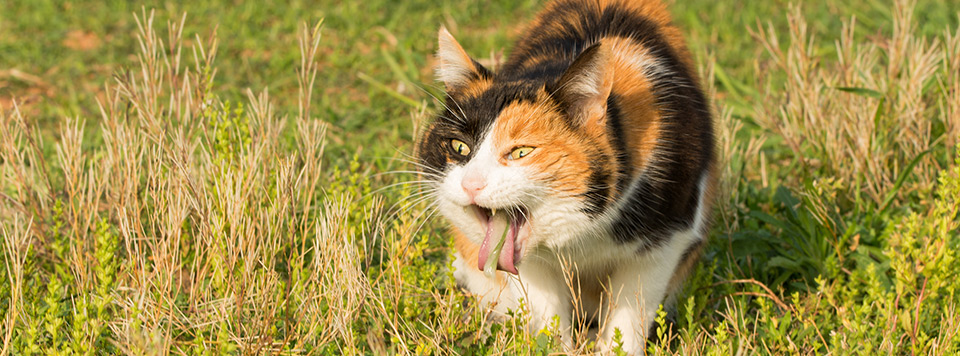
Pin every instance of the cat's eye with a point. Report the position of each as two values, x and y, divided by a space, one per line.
460 147
520 152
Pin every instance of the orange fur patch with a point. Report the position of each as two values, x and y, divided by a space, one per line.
476 87
654 10
641 121
561 156
467 248
469 252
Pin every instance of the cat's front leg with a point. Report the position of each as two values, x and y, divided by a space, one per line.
545 296
637 288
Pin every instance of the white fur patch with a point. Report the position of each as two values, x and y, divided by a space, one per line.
640 60
500 298
506 186
641 284
637 283
558 229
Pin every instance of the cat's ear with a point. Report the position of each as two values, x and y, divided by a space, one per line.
456 68
585 86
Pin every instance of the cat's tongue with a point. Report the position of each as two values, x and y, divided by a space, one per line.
495 231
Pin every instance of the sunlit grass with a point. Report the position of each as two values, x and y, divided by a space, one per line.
158 206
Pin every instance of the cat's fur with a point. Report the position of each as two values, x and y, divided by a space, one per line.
612 204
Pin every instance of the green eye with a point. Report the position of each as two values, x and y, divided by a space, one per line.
460 147
521 152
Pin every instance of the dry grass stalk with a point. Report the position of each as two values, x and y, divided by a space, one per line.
193 221
225 234
15 243
867 116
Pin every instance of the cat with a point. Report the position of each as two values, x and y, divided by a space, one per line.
582 168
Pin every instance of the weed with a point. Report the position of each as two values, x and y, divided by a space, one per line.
187 216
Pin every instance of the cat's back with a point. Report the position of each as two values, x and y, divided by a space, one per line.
658 121
565 28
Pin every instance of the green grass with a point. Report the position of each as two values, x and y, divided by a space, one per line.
258 51
390 41
240 231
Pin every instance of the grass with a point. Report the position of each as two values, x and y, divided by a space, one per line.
154 204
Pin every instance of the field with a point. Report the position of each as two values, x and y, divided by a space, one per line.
230 177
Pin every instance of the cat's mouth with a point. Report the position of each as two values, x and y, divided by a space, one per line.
500 245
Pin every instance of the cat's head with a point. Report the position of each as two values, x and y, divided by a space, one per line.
522 160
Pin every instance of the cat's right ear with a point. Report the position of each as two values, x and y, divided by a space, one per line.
456 68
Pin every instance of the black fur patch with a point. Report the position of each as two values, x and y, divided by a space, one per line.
619 143
663 200
597 195
468 118
694 248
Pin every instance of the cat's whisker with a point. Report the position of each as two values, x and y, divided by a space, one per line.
424 168
398 184
537 198
432 175
455 102
420 194
420 165
413 196
402 206
441 102
425 188
430 208
413 172
416 231
406 207
523 213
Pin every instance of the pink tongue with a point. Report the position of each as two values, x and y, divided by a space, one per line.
495 228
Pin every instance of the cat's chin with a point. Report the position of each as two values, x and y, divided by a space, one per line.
505 231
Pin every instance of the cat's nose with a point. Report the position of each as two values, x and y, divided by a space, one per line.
472 184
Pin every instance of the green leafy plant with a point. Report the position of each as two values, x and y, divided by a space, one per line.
186 215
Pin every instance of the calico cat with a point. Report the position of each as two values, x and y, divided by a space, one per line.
581 169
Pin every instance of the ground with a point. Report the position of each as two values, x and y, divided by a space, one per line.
155 203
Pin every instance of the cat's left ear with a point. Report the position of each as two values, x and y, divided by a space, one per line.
585 86
456 68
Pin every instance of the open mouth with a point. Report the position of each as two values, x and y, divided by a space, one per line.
499 249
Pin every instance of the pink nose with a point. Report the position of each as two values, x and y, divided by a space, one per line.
472 184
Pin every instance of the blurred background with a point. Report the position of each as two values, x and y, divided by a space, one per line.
56 55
